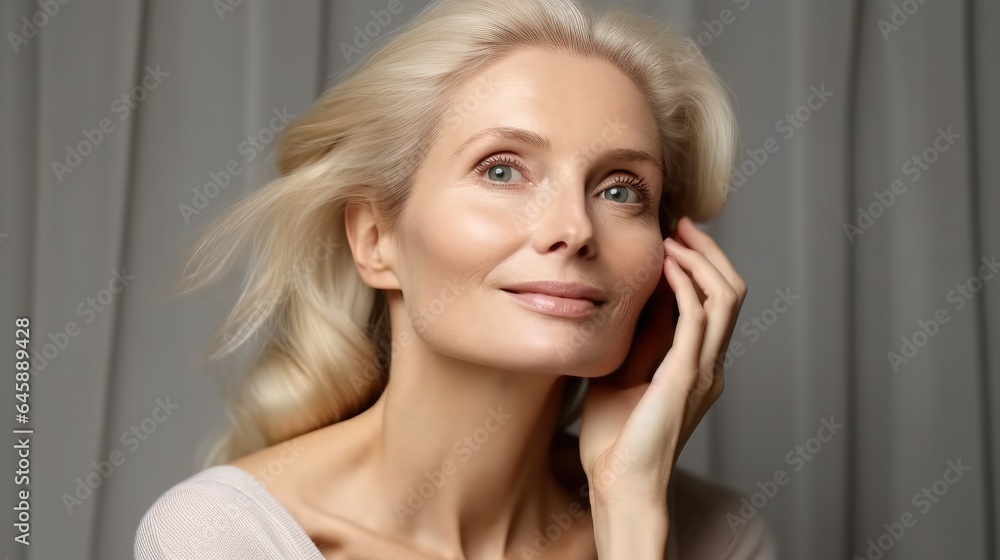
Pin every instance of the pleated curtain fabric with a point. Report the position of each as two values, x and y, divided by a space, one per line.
860 411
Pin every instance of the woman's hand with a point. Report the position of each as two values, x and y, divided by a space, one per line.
633 426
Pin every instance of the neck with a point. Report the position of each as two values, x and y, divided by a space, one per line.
461 451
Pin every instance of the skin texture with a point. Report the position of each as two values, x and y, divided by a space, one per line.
476 378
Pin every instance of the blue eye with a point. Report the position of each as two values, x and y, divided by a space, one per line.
500 169
624 189
638 188
501 173
619 192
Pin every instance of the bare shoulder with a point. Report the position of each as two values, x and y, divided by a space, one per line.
272 463
712 522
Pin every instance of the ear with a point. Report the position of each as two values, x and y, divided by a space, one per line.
373 250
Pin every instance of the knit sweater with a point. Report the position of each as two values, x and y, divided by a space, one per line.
224 513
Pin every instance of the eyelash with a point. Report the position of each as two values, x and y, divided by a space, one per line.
640 186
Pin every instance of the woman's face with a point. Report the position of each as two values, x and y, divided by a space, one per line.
548 170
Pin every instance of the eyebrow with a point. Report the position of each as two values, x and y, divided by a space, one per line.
510 133
533 139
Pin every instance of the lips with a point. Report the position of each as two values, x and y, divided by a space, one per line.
557 289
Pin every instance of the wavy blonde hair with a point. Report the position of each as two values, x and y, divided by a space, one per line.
325 351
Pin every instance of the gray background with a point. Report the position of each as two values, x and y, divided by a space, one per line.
62 236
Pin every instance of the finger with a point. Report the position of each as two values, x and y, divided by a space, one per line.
721 305
684 353
661 409
700 241
708 277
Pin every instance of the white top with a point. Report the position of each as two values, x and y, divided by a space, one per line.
223 513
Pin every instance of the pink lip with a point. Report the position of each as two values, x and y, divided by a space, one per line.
558 299
570 290
554 305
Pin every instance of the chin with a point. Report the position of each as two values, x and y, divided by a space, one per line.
562 356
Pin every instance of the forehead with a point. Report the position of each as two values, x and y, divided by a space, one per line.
572 101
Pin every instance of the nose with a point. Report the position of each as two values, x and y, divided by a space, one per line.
563 222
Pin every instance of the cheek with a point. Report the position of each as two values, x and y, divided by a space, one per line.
645 269
636 265
638 268
449 250
460 239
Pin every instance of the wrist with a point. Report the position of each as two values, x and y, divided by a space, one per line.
634 529
619 492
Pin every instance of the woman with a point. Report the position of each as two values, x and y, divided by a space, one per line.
466 231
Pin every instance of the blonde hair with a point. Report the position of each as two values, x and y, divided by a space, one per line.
324 353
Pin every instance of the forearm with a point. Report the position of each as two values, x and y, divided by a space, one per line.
626 530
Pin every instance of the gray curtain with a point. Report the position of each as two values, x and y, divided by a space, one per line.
864 220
